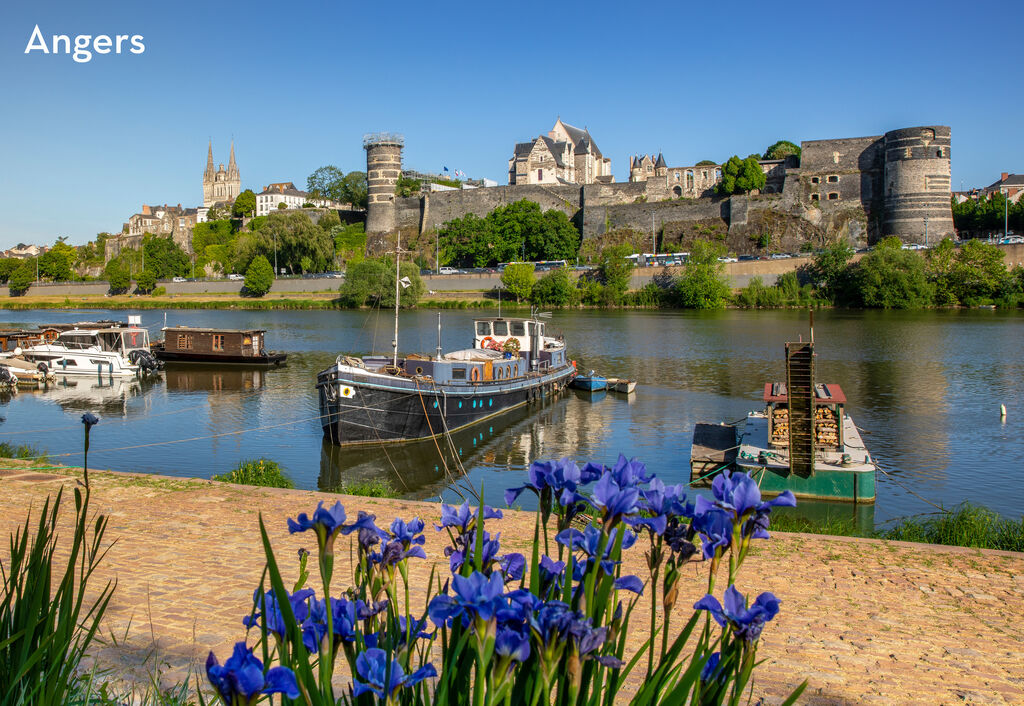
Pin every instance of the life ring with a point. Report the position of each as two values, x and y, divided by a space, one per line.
487 340
474 374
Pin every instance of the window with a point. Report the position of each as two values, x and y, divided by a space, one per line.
677 190
533 328
483 328
938 152
833 196
833 179
498 373
540 175
677 176
458 373
218 341
814 197
500 328
184 342
815 180
518 329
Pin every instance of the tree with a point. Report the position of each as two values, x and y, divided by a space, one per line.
372 282
325 183
146 281
706 163
245 204
56 263
829 272
407 186
117 276
296 236
259 277
23 277
974 273
355 190
7 267
741 176
282 206
518 279
349 242
615 271
893 278
555 289
781 150
703 284
164 257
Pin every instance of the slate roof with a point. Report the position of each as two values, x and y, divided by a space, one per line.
556 148
1010 180
661 161
523 149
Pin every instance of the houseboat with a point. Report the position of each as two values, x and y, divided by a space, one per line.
802 440
113 351
184 344
385 399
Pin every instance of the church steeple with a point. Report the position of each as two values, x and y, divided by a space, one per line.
209 161
232 167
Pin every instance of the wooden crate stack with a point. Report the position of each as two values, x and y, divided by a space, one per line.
780 426
826 427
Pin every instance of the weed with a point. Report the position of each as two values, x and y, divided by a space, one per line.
261 472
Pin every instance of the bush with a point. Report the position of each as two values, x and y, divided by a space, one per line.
518 279
375 488
372 282
259 278
117 277
508 629
159 291
261 471
145 282
22 278
892 278
554 289
703 284
22 451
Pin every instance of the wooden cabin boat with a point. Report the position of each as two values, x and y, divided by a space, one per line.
184 344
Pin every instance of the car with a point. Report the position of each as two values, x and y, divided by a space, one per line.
728 259
178 279
235 278
748 257
779 256
448 271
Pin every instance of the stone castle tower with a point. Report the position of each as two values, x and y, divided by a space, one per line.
916 184
383 168
221 186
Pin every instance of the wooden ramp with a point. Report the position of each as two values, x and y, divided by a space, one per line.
800 389
714 447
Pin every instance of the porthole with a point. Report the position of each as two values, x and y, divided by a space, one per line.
419 370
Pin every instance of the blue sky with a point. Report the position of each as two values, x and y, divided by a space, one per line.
84 145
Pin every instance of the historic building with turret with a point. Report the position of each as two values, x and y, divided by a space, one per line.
566 155
223 185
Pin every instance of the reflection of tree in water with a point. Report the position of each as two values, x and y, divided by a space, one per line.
420 470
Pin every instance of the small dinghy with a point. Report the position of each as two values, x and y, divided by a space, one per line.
590 383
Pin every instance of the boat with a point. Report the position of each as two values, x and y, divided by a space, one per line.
802 440
590 383
113 351
15 369
390 399
184 344
622 385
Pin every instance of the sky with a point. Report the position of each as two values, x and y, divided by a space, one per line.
296 86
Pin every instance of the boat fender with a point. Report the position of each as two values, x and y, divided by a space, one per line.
43 368
474 374
574 365
6 377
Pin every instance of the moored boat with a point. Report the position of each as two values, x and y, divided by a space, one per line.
622 385
379 399
113 351
184 344
590 383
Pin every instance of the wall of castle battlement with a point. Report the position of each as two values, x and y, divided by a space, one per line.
430 211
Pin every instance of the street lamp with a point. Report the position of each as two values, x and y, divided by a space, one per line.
275 254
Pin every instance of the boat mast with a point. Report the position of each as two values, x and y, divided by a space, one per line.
439 335
394 341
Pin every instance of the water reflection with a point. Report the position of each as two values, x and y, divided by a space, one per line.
106 396
203 378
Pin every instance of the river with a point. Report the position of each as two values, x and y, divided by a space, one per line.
924 386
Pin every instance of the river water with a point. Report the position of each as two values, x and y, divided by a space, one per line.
924 386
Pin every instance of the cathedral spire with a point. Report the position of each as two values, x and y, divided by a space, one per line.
209 160
232 167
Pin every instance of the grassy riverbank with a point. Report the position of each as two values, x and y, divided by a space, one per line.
175 301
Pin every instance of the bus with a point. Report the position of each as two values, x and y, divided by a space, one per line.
538 266
659 260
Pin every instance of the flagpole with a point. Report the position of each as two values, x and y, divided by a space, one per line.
394 343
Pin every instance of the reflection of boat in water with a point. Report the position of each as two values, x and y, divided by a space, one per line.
213 378
418 470
105 396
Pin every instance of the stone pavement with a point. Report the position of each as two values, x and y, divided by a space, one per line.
861 620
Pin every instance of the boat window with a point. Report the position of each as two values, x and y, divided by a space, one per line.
78 341
458 373
483 328
184 342
218 341
518 328
533 328
498 373
500 328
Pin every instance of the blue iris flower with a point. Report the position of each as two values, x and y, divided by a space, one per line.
394 552
476 597
345 617
240 680
630 473
669 500
268 611
715 529
551 622
710 670
589 541
630 583
465 546
513 565
746 623
408 533
326 522
384 678
560 478
417 629
512 644
463 518
738 494
614 500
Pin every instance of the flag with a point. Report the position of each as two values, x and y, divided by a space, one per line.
446 170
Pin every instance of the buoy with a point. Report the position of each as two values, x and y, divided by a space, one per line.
1002 411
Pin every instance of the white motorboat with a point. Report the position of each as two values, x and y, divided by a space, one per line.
118 351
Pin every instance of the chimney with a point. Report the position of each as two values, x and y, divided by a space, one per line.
145 210
1003 177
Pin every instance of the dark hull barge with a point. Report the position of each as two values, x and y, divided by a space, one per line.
207 346
373 400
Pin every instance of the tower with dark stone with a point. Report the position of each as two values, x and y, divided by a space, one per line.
383 168
916 183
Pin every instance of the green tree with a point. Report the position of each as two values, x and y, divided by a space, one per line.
7 267
407 186
781 150
146 281
741 176
55 264
518 279
554 289
615 272
296 237
117 276
372 282
259 277
893 278
325 183
829 273
349 242
703 284
23 277
706 163
164 257
329 220
355 190
245 204
282 206
973 273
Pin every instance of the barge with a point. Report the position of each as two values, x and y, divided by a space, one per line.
184 344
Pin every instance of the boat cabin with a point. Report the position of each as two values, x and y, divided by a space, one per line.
21 338
245 343
495 333
829 401
121 340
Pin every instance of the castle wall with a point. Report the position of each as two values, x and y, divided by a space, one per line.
430 211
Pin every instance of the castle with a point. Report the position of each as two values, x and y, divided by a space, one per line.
856 189
221 187
566 155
